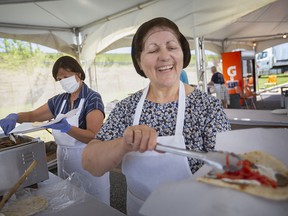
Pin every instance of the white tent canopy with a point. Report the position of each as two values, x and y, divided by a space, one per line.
265 27
85 27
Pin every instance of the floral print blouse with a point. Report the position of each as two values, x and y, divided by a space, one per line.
204 117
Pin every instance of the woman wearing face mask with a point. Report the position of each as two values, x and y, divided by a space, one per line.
71 134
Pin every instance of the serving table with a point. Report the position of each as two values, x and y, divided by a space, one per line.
189 197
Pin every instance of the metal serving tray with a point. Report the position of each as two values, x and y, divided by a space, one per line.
15 159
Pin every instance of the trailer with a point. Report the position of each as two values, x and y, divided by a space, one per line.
273 60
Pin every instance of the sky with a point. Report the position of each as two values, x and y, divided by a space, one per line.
45 49
123 50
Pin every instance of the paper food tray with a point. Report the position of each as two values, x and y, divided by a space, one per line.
26 127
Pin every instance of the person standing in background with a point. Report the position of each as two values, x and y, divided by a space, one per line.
72 134
217 80
184 77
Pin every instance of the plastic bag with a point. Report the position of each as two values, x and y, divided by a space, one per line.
60 195
64 193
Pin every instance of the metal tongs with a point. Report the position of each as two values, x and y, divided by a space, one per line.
221 160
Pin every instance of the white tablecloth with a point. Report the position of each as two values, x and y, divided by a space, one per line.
190 197
256 117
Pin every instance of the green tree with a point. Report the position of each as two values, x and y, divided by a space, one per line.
18 54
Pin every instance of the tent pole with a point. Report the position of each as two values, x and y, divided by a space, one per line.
87 65
77 41
200 64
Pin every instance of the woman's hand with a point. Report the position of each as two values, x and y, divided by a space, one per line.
62 125
100 157
140 138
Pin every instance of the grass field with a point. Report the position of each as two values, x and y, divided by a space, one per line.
281 78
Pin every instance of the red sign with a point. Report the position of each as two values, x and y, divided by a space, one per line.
232 71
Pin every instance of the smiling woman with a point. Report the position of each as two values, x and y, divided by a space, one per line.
166 111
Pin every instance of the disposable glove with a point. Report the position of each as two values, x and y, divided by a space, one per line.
8 123
62 125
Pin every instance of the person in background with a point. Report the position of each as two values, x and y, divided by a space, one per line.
184 77
217 80
72 134
166 111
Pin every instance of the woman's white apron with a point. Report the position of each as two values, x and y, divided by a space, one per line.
146 171
69 154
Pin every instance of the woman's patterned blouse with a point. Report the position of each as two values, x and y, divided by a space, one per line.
204 117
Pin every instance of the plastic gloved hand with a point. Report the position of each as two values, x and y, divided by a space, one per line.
63 126
9 122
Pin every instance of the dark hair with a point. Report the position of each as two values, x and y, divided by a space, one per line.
137 42
68 63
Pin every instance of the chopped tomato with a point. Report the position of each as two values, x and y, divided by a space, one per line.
247 173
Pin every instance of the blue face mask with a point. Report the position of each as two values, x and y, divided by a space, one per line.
70 84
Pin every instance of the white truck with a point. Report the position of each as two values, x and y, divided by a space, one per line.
273 60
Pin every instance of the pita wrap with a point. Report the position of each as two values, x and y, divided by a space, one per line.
258 158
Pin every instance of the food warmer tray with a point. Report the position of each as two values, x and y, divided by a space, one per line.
16 158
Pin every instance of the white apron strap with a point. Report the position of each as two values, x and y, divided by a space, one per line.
180 111
140 106
62 106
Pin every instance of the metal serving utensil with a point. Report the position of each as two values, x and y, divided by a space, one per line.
221 160
12 137
226 161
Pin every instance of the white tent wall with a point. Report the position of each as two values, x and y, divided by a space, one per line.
264 44
48 39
